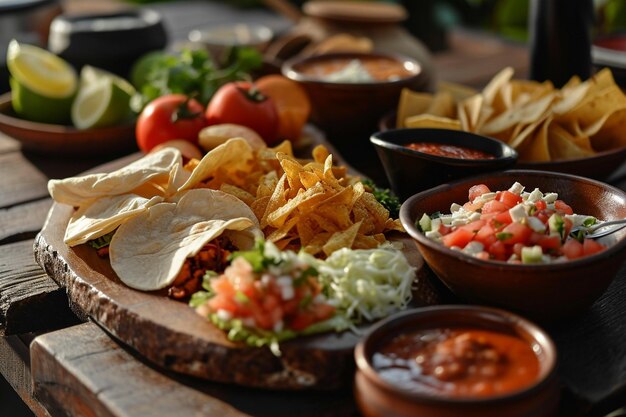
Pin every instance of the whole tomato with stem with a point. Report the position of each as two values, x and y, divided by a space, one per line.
173 116
240 102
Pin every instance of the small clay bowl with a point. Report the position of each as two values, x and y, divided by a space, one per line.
410 171
545 292
351 108
379 397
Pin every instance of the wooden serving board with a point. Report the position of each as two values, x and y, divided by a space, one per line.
171 335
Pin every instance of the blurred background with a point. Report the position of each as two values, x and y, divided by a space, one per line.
430 21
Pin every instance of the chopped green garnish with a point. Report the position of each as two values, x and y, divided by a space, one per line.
503 236
424 223
557 225
101 241
199 298
384 196
532 210
241 298
436 215
590 221
256 257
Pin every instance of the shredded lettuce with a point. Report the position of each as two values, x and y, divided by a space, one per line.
367 284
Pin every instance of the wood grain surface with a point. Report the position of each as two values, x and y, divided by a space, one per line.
80 371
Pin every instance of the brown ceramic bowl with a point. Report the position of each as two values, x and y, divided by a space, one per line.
410 171
546 291
351 107
53 139
378 397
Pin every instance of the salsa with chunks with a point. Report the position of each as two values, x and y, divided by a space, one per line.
513 226
457 362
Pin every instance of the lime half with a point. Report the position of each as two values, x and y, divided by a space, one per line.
42 84
101 102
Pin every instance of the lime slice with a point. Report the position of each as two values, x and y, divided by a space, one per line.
89 75
42 84
101 103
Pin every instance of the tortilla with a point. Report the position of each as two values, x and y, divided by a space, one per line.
231 156
148 177
104 216
148 251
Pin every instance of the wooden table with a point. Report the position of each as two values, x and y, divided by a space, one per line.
61 366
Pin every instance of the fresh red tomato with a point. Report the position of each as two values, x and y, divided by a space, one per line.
240 103
515 233
458 238
573 249
494 206
477 190
169 117
562 207
509 199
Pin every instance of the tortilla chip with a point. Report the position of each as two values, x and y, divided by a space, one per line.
411 103
562 145
442 105
233 155
537 149
433 122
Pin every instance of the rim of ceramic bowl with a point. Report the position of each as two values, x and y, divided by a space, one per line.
508 153
289 69
521 327
409 224
385 124
258 34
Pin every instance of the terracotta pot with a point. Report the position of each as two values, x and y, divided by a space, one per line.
377 397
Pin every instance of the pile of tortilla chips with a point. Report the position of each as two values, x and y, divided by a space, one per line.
541 122
163 212
308 205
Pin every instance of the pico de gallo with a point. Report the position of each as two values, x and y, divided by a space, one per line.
263 298
513 225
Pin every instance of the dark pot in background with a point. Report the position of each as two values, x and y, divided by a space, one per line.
111 41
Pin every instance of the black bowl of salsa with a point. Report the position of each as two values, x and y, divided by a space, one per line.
418 159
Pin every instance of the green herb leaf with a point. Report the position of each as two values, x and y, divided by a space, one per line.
384 196
504 236
101 241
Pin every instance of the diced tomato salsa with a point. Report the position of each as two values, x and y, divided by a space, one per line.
512 226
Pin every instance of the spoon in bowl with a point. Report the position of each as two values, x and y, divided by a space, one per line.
598 230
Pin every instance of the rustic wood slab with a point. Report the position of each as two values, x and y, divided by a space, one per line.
81 371
29 300
170 334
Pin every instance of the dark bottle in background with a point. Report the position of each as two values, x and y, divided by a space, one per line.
560 39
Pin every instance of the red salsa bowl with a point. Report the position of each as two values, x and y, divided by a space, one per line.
456 360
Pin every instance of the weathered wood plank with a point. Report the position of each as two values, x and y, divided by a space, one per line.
20 181
29 299
24 221
8 144
15 367
80 371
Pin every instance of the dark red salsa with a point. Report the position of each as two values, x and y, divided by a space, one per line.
457 362
450 151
